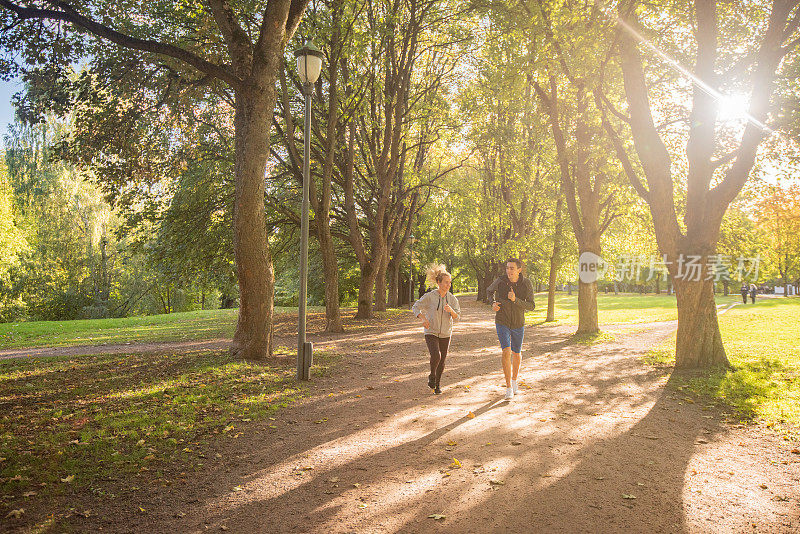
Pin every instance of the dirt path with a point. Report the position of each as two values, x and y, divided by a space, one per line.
121 348
595 442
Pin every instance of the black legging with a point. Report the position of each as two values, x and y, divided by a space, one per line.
437 346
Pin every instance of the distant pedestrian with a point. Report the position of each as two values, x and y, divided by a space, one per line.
511 295
744 293
438 309
753 291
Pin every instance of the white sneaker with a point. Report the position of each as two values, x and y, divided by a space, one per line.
514 386
509 394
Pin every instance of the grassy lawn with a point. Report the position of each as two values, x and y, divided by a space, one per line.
611 309
183 326
72 425
763 345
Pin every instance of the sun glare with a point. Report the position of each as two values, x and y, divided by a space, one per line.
733 107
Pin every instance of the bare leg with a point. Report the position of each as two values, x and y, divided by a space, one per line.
516 359
507 365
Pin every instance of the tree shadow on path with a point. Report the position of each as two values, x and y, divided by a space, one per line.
596 442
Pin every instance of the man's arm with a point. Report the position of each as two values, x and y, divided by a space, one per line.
527 302
491 290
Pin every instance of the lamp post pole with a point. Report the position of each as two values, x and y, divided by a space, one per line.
301 329
309 65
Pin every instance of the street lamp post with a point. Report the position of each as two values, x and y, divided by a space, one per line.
309 65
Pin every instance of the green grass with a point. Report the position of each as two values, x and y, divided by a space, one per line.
184 326
762 341
74 424
591 339
613 309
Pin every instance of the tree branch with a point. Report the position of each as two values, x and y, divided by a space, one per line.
65 13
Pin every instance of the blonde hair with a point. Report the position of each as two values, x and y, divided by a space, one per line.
436 272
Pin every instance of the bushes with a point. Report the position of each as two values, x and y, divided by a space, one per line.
15 310
60 305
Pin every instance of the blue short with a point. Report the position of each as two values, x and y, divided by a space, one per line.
510 337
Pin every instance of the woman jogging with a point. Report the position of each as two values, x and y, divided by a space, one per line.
437 309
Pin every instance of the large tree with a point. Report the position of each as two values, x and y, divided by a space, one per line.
732 49
233 45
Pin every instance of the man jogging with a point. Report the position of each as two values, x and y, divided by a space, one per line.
511 295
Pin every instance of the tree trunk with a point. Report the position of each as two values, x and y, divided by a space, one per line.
551 290
555 258
330 268
699 343
394 283
254 269
366 285
587 308
333 319
380 287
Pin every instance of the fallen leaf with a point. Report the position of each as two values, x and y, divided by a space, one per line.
29 494
68 479
333 480
452 443
516 443
15 513
471 415
626 496
455 465
237 488
223 527
495 482
356 485
363 505
763 486
437 517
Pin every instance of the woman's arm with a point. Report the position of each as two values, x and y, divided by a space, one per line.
455 310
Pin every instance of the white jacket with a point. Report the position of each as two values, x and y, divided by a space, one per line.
432 305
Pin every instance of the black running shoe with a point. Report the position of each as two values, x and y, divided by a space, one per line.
431 381
437 391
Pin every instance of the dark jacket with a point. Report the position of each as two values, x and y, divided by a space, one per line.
511 314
